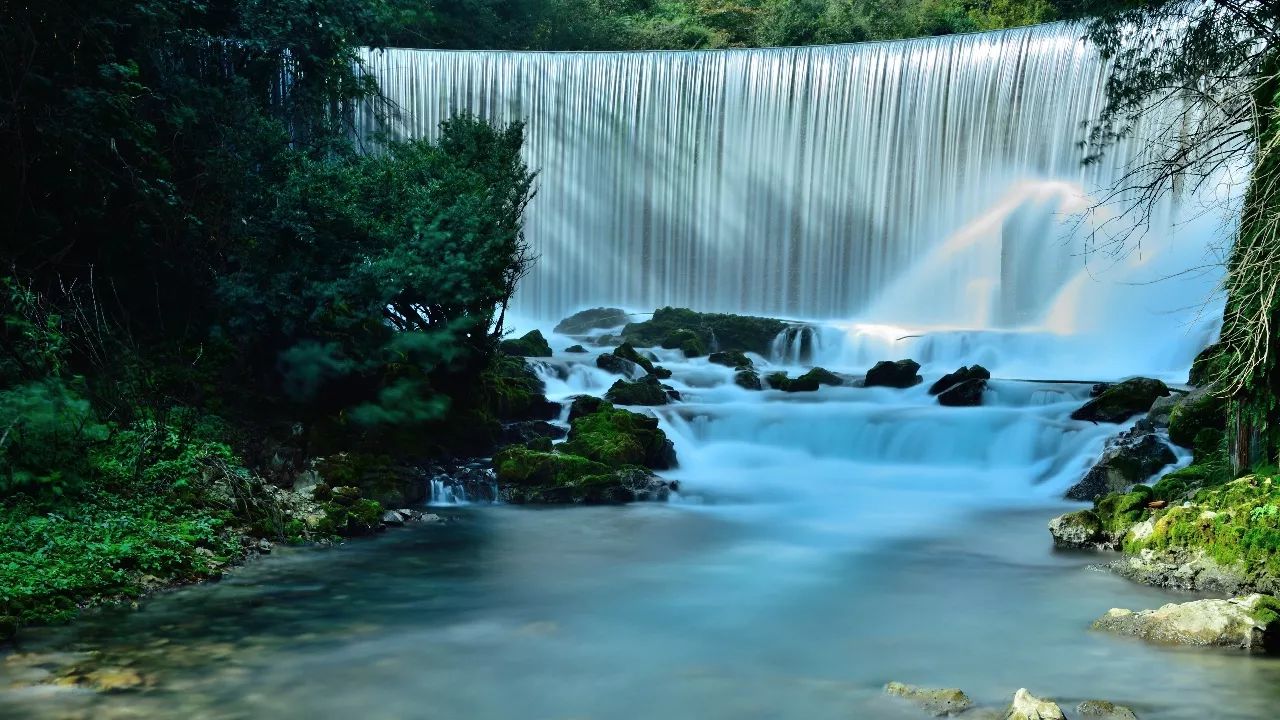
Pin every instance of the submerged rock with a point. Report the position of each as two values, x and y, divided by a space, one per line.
936 702
532 344
1129 458
899 374
584 321
1104 709
1248 623
1077 530
645 391
1026 706
1121 401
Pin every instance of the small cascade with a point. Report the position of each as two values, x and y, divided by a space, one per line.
796 345
445 492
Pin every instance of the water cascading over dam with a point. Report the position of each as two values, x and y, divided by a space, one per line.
925 183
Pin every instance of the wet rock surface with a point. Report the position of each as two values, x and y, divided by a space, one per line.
899 374
1121 401
1248 623
1129 458
937 702
584 321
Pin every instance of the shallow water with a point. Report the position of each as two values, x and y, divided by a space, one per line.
822 544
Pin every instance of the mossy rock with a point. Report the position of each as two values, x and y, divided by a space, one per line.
618 437
1119 511
360 516
715 331
1206 365
963 374
375 476
748 380
934 701
519 465
686 341
731 358
645 391
1199 410
584 321
627 352
575 349
532 344
580 405
1121 401
808 382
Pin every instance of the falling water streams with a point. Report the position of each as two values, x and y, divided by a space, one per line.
904 199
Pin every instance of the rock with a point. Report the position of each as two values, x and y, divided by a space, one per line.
1248 622
1077 530
1161 410
583 405
104 679
393 517
263 546
584 321
715 331
731 358
936 702
617 365
807 382
964 374
645 391
524 432
1129 458
373 476
345 495
618 487
1201 409
894 373
1205 365
575 349
686 341
1029 707
531 345
967 393
748 380
627 352
1121 401
618 437
1104 709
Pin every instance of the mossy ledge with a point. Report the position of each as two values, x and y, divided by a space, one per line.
698 333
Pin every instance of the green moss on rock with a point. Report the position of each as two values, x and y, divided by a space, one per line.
584 321
532 344
1119 511
730 358
715 331
1121 401
808 382
618 437
686 341
645 391
627 352
518 465
1198 411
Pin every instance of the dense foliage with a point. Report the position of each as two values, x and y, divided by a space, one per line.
695 24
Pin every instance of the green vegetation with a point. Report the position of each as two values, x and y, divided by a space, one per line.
618 438
531 344
696 24
697 332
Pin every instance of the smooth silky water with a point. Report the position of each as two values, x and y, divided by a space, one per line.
914 198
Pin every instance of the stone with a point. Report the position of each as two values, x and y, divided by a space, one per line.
967 393
617 437
963 374
1199 410
1161 410
1121 401
686 341
715 331
345 495
1129 458
1026 706
611 363
627 352
645 391
731 358
1104 709
1205 365
580 405
575 349
532 344
584 321
393 517
1077 530
808 382
527 431
747 380
937 702
1248 623
899 374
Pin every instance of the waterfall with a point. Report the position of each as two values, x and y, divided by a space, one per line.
919 181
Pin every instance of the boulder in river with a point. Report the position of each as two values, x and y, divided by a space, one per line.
1026 706
686 341
808 382
627 352
1250 622
964 373
618 437
532 344
1104 709
611 363
937 702
584 321
962 388
715 331
730 358
1081 529
1121 401
575 349
894 373
1129 458
747 380
645 391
